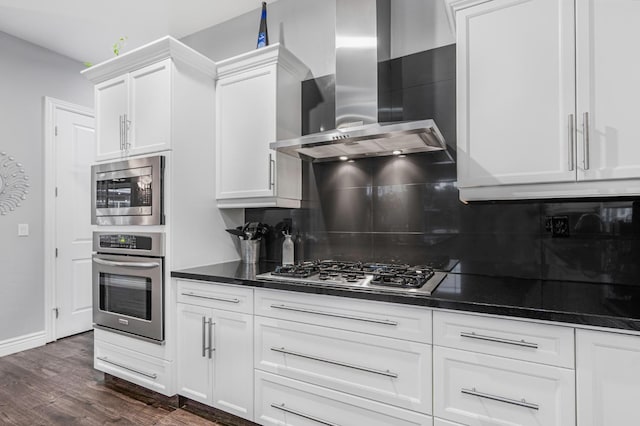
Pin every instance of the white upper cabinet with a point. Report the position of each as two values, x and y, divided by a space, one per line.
608 88
258 102
111 103
545 89
515 92
150 108
144 98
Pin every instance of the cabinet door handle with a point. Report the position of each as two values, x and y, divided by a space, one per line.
331 314
585 139
219 299
473 335
342 364
121 122
134 370
126 123
272 164
571 142
282 407
520 403
204 338
211 337
208 325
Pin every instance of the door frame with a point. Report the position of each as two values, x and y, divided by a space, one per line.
51 105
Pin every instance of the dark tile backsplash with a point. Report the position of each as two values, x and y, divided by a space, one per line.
407 209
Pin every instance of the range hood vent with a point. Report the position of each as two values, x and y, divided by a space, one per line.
372 140
362 33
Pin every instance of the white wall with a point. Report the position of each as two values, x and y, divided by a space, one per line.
27 74
307 29
418 25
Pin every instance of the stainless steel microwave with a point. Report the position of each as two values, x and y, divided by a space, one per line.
128 192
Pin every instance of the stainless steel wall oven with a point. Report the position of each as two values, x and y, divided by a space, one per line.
128 192
128 283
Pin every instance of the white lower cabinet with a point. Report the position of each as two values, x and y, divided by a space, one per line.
478 390
136 367
215 358
391 371
283 401
608 378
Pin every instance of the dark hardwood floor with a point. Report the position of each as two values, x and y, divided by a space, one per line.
57 385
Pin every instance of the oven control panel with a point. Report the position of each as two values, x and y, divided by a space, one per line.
131 243
125 241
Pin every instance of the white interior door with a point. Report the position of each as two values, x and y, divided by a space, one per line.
74 153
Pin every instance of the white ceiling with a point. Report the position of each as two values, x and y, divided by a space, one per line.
85 30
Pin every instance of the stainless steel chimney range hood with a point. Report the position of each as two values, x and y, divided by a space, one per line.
362 29
371 140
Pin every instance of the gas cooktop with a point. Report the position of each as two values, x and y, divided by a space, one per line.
391 277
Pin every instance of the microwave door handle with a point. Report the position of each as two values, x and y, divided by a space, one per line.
145 265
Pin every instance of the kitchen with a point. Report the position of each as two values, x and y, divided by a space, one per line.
573 257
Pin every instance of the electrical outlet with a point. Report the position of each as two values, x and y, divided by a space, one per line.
560 226
548 223
23 229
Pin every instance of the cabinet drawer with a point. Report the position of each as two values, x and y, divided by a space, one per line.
282 401
391 371
214 295
149 372
365 316
542 343
479 390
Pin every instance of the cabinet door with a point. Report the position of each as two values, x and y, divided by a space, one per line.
608 88
111 106
233 363
246 124
194 362
150 109
516 94
608 378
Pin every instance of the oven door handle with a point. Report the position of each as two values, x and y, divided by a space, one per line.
145 265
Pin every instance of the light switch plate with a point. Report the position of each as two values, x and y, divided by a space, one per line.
23 229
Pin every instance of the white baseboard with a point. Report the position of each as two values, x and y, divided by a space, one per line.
22 343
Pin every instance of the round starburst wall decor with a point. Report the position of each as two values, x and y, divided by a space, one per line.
14 184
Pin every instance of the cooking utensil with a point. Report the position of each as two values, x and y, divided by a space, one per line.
251 230
236 232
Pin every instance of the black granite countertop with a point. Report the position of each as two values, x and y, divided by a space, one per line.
604 305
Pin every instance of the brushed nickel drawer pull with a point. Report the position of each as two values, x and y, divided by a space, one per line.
520 403
524 343
281 407
220 299
331 314
117 364
342 364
